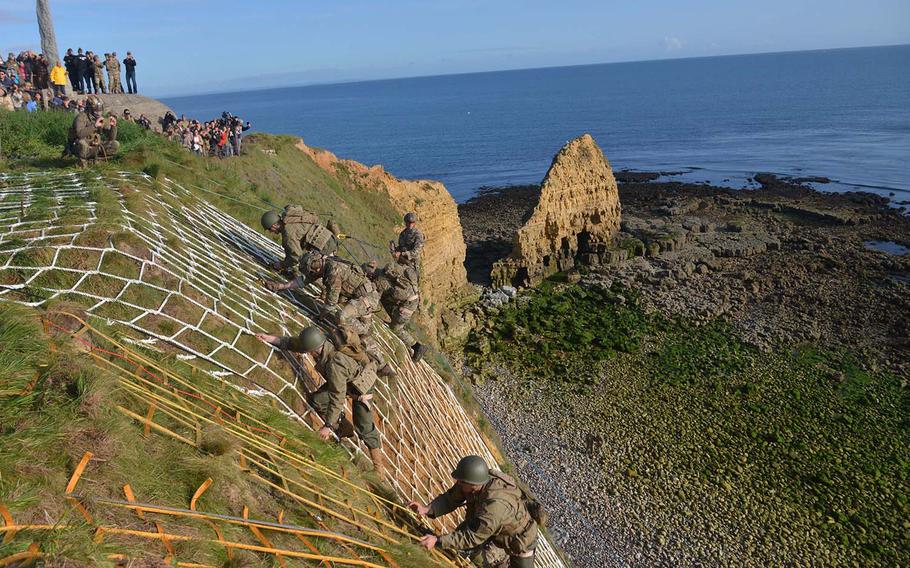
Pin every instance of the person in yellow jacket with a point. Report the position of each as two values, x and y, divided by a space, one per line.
58 78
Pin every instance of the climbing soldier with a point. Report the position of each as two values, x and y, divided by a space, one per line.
91 136
301 232
342 280
498 517
410 243
399 294
348 372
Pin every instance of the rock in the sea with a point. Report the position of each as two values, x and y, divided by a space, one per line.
578 210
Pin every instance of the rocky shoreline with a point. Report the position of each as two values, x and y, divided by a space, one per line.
785 267
784 263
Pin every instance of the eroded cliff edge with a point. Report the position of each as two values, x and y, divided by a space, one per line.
443 276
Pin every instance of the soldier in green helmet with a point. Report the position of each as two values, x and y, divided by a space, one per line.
497 517
399 293
348 296
92 136
348 373
301 232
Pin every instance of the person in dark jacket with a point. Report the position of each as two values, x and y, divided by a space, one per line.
130 63
81 67
88 74
72 69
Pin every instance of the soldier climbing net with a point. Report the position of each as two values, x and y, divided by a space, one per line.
173 273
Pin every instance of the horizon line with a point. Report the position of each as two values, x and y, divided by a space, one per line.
516 69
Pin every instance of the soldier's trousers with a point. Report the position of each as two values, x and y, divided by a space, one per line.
86 151
491 556
363 416
357 315
88 79
99 80
400 314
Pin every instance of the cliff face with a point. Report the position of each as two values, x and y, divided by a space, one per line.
443 273
578 211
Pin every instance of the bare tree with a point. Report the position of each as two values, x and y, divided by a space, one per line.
46 29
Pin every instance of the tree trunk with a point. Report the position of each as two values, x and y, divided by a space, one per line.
46 29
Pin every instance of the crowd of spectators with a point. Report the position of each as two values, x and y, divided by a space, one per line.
28 83
221 137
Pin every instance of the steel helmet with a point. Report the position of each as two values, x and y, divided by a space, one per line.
410 217
310 339
472 470
311 262
269 218
93 105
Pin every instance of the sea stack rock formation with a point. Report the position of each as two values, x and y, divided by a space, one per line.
578 211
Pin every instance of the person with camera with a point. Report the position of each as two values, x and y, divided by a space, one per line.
92 136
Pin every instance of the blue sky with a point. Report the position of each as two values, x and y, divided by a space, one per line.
191 46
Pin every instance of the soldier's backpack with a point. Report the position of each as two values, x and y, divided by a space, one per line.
297 214
348 342
535 509
318 237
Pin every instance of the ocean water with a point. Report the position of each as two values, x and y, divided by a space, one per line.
843 114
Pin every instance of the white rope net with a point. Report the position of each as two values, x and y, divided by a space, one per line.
173 272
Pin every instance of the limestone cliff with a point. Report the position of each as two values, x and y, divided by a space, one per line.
578 211
443 273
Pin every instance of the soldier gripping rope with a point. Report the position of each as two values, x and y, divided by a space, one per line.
92 136
348 372
301 231
498 522
342 280
410 243
399 294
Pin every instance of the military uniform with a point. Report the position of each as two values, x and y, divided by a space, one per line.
497 517
113 74
88 142
342 280
410 245
99 74
344 376
302 231
398 288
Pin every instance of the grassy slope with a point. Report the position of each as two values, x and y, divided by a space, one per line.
71 407
243 186
828 439
45 432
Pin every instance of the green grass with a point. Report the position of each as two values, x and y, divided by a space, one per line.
705 414
71 409
562 332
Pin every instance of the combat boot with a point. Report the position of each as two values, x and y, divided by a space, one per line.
386 371
378 460
418 351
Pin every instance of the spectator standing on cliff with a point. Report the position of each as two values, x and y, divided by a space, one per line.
12 67
69 60
81 67
88 73
58 79
113 73
129 62
98 69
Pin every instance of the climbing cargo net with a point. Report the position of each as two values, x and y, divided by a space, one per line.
172 273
